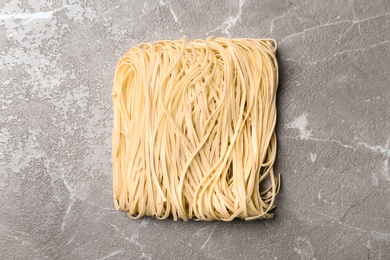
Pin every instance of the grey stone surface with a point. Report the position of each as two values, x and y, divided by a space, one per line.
56 68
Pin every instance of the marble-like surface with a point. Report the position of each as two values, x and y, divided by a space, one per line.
56 68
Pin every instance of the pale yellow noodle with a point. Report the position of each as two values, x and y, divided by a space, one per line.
193 133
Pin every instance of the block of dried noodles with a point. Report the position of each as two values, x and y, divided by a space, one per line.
193 133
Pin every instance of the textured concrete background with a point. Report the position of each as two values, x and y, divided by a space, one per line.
56 68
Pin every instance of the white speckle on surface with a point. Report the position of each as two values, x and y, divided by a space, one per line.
111 255
77 12
173 14
116 228
208 238
313 157
385 151
369 244
386 170
229 22
175 18
145 222
67 214
300 123
374 180
37 15
304 249
146 256
146 8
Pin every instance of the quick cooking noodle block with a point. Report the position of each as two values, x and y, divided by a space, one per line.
193 133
